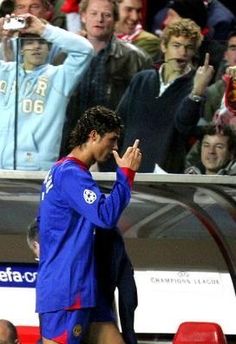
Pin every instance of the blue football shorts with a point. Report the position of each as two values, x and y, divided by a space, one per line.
65 326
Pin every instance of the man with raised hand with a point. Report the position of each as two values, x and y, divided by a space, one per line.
33 111
162 106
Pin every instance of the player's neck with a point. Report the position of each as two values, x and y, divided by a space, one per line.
83 155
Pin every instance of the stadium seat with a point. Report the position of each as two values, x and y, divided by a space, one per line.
28 334
199 332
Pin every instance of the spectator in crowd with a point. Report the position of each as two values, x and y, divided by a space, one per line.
229 58
215 92
196 11
218 152
129 28
158 19
71 207
220 19
38 8
226 112
31 132
162 107
111 69
42 9
216 17
8 332
114 270
216 105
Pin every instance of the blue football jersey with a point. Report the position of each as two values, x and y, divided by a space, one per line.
71 206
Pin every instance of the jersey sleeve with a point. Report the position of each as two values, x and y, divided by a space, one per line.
84 196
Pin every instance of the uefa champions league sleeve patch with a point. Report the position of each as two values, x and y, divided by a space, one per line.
89 196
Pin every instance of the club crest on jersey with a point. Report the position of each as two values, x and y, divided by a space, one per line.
89 196
77 330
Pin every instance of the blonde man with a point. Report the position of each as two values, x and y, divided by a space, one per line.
168 100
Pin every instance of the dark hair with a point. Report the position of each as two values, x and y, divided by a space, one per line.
12 331
97 118
225 130
32 232
230 35
84 5
32 36
6 7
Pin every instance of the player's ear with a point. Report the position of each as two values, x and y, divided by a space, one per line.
93 135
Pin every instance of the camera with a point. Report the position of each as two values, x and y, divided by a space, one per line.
14 23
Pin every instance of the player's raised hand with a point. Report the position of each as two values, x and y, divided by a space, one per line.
131 158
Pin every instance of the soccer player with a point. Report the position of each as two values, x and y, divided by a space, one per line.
71 207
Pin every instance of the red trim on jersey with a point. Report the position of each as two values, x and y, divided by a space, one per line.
71 158
130 174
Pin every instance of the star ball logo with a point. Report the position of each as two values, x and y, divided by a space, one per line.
89 196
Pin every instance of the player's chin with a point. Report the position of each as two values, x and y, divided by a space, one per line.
105 157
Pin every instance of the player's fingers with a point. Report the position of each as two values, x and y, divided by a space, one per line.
116 155
138 155
136 143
